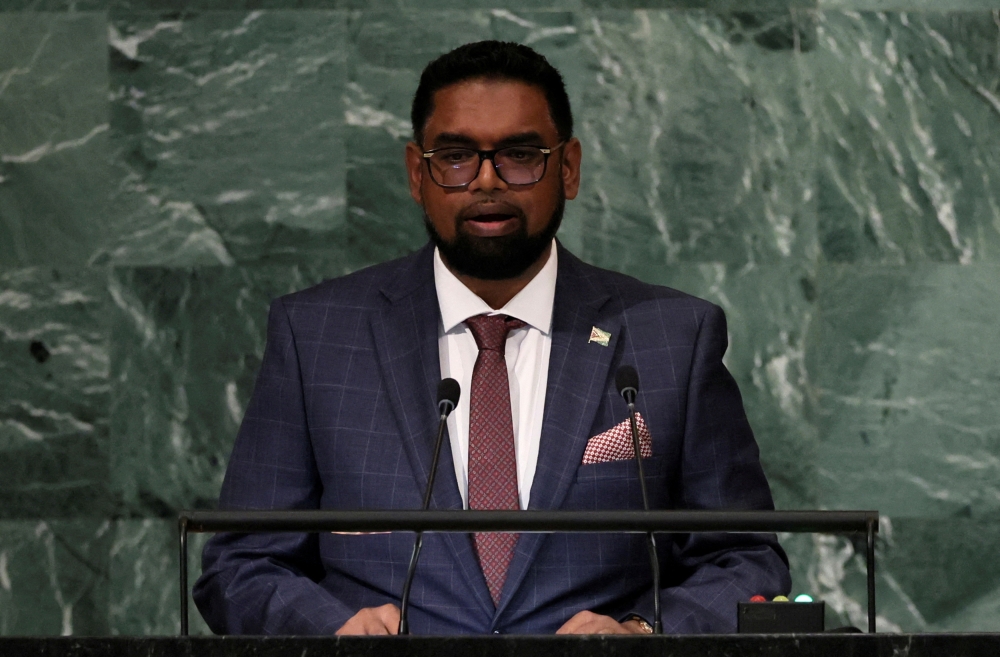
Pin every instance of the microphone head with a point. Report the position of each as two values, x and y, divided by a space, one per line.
627 382
448 393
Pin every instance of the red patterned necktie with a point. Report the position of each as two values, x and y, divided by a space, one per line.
492 464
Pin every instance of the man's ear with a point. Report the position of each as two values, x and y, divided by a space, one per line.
572 154
415 170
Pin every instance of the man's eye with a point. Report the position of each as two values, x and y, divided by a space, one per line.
520 154
455 157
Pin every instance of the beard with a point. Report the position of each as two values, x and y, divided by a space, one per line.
496 258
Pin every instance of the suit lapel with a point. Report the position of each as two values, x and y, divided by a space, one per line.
406 341
578 375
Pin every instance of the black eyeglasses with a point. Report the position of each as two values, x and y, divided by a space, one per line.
515 165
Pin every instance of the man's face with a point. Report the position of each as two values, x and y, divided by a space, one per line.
490 229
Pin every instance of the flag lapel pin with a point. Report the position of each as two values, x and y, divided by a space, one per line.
599 336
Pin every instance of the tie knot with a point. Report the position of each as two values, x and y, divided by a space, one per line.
490 331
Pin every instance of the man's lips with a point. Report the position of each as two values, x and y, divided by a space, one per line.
491 218
496 211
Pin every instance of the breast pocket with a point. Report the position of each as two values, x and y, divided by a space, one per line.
615 485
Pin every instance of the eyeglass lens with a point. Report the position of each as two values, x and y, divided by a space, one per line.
518 165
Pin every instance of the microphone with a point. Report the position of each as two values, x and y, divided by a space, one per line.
627 383
447 400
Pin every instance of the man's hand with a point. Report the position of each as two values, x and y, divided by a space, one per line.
587 622
372 621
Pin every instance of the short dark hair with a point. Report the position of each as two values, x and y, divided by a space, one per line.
493 60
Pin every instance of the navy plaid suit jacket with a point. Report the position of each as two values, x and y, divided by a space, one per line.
343 416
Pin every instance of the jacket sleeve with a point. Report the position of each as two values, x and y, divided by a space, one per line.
708 573
268 583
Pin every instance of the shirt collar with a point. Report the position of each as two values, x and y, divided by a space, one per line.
532 305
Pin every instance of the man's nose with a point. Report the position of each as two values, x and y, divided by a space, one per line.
487 180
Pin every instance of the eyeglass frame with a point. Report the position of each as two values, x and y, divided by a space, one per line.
488 155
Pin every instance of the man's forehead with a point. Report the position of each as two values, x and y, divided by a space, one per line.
490 110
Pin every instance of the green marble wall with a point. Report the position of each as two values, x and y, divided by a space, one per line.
828 172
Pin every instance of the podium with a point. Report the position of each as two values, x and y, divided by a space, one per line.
827 522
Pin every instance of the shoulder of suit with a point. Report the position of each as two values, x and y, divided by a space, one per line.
631 292
363 289
358 289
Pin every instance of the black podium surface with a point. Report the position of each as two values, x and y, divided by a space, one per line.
841 645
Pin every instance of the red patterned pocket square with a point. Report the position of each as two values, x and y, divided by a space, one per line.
615 444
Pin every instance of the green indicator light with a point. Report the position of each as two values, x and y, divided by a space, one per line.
802 597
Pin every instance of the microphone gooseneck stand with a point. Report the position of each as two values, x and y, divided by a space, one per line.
448 394
627 382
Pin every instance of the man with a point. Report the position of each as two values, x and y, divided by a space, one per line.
343 414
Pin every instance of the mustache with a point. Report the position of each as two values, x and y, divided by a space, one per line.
490 207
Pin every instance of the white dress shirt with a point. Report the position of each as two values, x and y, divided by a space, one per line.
527 356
